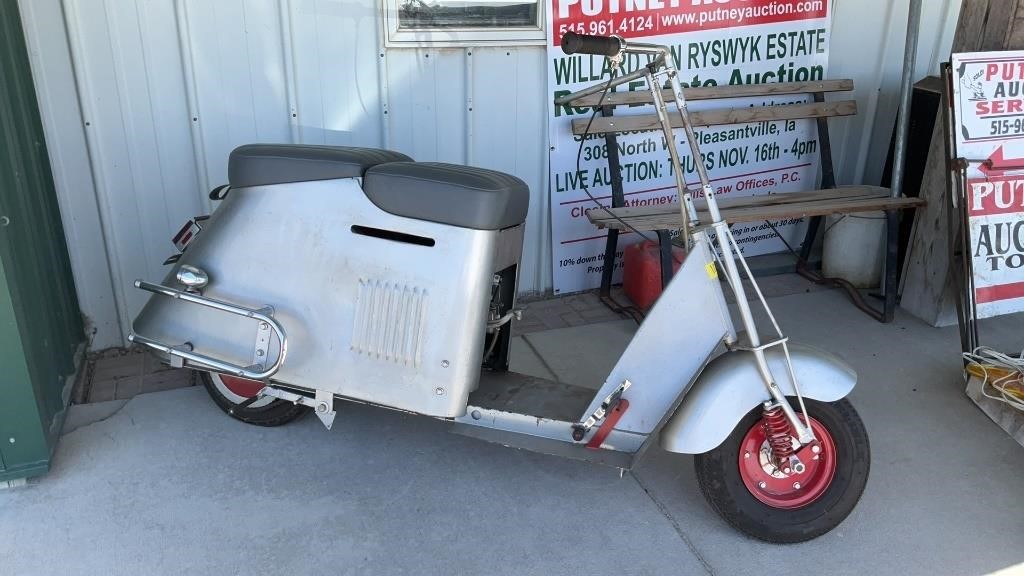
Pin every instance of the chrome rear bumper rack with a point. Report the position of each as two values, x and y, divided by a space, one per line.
184 352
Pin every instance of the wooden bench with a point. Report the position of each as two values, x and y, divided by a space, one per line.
771 207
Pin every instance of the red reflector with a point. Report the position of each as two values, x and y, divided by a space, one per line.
612 418
242 386
187 234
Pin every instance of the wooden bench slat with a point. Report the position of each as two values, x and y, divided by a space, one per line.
774 212
728 203
753 209
671 210
716 92
821 208
644 122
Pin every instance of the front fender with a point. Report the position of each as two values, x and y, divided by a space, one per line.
730 387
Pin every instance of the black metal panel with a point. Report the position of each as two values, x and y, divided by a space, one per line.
618 201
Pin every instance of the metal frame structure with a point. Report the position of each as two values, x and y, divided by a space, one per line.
958 226
958 220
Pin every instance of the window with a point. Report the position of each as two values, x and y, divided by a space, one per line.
464 22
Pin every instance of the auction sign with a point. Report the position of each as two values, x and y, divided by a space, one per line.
713 43
988 95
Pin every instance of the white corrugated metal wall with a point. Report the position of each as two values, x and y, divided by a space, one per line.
143 99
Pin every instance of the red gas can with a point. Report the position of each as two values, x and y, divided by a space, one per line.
641 267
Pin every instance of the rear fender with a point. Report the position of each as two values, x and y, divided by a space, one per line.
730 387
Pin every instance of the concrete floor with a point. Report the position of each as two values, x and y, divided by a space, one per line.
165 483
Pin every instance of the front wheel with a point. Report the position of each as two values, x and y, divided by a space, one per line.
745 487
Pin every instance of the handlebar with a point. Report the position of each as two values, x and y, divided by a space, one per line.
610 46
573 43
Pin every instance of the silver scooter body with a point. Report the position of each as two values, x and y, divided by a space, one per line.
335 288
373 319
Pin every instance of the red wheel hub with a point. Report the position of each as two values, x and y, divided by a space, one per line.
242 386
786 491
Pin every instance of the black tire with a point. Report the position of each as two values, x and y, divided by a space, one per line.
274 413
719 476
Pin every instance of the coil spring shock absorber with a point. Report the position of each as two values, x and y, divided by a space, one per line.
779 434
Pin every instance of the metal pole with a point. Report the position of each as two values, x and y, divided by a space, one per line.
601 87
903 116
890 263
687 210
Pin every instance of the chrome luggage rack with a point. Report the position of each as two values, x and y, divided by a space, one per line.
184 352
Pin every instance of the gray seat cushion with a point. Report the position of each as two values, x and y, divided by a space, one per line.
263 164
449 194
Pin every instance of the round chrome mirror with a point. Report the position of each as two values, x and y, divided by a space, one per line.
192 278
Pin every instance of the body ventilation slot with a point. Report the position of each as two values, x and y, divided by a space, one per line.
393 236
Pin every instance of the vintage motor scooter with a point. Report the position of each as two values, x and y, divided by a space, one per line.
332 273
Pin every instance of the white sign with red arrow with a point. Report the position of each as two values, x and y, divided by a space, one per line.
988 100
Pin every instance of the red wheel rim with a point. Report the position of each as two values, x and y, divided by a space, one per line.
786 491
241 386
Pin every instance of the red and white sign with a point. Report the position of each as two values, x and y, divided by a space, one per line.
713 43
645 18
989 109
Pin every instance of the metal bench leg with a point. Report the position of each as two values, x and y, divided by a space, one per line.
809 238
828 181
890 280
892 264
665 240
618 201
611 245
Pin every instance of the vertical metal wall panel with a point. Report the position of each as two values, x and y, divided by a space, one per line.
867 45
255 63
509 133
938 23
159 180
160 78
40 324
122 143
238 58
335 48
72 171
426 103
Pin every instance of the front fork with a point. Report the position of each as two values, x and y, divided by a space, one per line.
779 419
801 428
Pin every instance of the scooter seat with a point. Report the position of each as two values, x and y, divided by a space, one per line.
265 164
451 194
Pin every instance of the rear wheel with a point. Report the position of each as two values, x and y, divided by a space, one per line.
744 485
229 392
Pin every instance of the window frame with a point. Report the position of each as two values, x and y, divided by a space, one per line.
468 36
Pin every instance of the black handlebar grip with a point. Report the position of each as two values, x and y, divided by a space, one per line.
573 43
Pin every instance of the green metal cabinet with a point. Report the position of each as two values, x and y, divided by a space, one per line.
41 332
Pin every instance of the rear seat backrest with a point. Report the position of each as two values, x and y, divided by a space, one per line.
451 194
265 164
